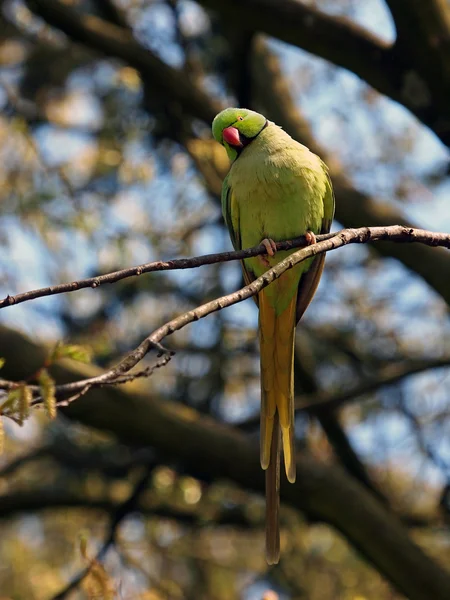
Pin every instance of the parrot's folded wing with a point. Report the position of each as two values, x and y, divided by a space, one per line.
310 280
230 212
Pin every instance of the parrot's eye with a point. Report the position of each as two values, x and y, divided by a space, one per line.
240 118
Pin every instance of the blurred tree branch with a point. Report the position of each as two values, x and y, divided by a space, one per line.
305 381
336 39
325 402
119 514
423 34
42 499
393 70
113 40
324 492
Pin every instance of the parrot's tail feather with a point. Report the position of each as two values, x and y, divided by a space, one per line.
273 498
267 321
276 334
267 427
289 453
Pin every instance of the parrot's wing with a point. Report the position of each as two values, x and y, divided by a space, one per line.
231 214
328 204
230 211
310 280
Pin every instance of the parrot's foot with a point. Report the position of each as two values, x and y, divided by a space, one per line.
270 247
310 238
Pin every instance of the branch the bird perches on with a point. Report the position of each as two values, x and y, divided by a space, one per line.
120 373
325 243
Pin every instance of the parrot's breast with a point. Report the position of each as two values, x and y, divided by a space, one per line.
278 186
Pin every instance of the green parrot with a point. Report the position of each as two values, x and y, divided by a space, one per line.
276 190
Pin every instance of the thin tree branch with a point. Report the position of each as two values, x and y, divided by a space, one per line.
306 384
390 375
170 265
20 502
327 402
396 233
64 389
24 459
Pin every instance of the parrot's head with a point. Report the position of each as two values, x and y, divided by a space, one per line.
236 128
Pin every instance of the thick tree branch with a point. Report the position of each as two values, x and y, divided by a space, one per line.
324 492
201 444
391 70
116 41
423 31
336 39
423 39
432 18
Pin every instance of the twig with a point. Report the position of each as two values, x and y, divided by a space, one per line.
170 265
393 233
63 389
36 500
396 233
326 402
122 511
145 373
347 236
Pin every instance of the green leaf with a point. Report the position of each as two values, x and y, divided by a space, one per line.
74 351
25 398
11 398
47 386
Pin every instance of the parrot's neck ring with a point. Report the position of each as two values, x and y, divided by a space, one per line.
245 141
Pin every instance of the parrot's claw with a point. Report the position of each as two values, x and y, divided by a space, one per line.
310 238
270 247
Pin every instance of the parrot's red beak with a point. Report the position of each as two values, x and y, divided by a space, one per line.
231 136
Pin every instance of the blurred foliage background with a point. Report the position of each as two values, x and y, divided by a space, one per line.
106 161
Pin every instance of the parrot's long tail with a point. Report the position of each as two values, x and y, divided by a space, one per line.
276 335
273 498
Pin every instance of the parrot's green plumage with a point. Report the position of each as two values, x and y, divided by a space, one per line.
275 190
